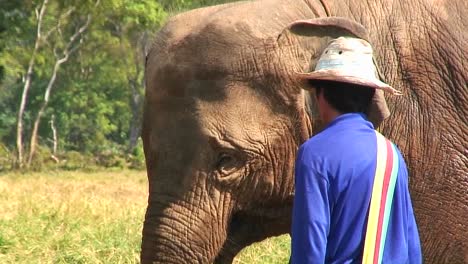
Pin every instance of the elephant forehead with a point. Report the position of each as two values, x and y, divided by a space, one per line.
186 72
244 116
236 21
212 54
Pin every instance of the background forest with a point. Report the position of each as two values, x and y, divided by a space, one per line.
71 80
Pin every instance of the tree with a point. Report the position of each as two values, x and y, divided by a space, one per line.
72 44
137 86
138 23
133 24
83 75
27 83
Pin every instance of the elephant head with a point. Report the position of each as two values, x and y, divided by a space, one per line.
223 121
224 116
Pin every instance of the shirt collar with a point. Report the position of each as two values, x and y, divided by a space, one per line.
358 117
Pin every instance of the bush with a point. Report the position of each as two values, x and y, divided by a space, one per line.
137 157
112 157
73 160
7 158
43 159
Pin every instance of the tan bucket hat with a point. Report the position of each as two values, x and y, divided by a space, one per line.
348 60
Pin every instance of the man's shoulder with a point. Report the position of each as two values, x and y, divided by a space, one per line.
321 147
344 145
340 137
315 144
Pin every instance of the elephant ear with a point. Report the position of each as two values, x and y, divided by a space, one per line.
334 27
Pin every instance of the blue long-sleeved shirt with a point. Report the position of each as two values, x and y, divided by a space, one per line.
334 176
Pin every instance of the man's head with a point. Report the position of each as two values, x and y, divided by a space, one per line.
344 97
347 60
335 98
346 76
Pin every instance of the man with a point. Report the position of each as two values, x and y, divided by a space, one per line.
352 202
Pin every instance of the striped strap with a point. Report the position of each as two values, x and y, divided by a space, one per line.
381 201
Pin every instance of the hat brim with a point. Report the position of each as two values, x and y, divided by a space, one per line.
339 76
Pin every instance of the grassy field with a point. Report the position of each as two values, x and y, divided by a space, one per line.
77 217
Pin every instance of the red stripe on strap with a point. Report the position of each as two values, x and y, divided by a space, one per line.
383 200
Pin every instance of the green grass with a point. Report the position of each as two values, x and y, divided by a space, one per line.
274 250
77 217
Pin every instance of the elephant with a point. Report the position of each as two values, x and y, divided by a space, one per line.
224 116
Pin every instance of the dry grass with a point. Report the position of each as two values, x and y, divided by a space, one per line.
76 217
69 217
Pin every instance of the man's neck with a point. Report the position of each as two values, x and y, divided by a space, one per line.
329 114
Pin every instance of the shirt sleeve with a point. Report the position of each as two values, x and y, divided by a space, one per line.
311 214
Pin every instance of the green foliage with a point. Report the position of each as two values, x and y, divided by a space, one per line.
136 158
73 160
111 157
6 158
42 159
98 86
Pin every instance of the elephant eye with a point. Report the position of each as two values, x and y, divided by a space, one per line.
226 163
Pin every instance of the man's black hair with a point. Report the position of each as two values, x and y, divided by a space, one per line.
345 97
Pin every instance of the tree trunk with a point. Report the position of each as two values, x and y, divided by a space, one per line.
54 139
37 121
137 88
27 85
136 103
69 49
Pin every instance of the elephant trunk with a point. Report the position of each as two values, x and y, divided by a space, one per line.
178 232
158 248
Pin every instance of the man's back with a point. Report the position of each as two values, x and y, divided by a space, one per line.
339 165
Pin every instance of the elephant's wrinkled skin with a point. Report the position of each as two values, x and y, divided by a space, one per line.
223 120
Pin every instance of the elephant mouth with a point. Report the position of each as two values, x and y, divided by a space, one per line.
248 227
243 230
232 244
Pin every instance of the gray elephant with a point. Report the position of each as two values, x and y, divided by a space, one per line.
224 117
